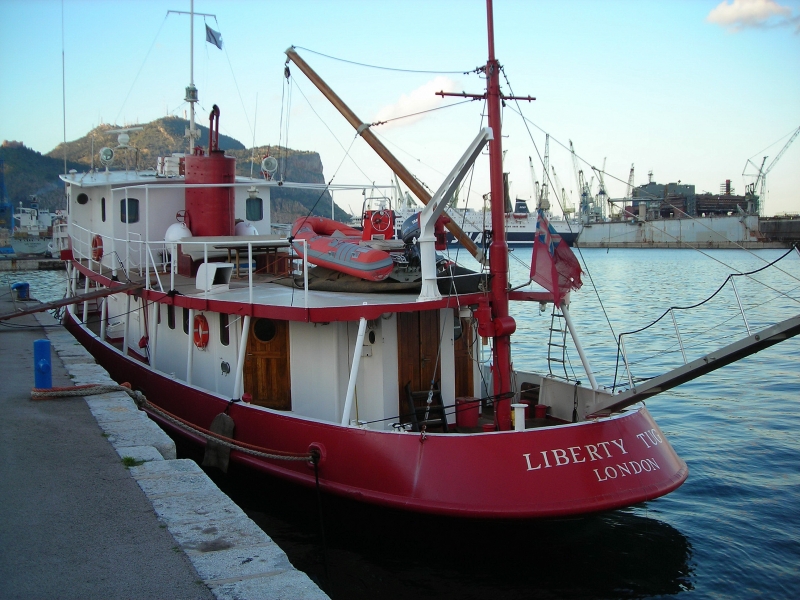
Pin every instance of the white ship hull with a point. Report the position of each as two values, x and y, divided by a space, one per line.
703 232
520 227
33 245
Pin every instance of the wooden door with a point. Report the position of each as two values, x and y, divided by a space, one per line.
266 366
418 344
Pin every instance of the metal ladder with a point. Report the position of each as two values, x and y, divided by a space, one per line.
557 342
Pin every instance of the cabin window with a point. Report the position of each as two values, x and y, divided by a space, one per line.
132 214
82 198
254 209
171 316
186 321
264 330
103 209
224 336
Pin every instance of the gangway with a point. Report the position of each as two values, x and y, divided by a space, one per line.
705 364
73 300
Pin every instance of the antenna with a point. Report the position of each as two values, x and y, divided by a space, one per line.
123 138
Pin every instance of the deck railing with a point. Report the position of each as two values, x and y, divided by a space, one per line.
132 255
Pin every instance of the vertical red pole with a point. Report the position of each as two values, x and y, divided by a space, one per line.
498 250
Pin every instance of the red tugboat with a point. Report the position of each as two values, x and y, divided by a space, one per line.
381 396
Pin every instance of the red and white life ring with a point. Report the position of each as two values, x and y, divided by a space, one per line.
97 248
201 330
381 221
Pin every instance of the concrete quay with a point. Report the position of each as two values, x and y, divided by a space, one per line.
13 263
76 523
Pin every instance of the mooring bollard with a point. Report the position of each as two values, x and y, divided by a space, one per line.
43 372
519 416
22 289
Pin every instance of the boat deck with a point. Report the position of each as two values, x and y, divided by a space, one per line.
287 291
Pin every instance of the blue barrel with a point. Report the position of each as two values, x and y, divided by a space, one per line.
22 289
43 372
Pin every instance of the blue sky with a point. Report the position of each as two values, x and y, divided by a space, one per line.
687 89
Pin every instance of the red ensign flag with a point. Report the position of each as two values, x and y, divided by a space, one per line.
553 266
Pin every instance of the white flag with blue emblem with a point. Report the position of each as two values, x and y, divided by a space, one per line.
214 37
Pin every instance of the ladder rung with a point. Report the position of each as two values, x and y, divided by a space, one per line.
555 360
557 330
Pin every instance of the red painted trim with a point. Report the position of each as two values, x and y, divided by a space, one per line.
288 313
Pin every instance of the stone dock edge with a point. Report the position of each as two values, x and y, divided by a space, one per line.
231 554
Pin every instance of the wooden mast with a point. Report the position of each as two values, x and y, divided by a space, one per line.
395 165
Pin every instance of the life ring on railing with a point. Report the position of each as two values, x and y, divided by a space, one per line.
201 330
97 248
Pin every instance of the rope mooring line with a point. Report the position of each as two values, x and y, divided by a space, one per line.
142 402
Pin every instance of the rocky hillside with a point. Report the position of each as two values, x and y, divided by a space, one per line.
29 172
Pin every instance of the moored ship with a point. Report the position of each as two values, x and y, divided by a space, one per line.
368 365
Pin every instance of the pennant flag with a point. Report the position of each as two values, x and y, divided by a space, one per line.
214 37
553 265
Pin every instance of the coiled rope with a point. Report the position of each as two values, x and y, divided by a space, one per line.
143 403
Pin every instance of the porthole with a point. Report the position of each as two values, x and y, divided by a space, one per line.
82 198
264 330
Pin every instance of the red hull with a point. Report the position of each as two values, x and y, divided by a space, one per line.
544 472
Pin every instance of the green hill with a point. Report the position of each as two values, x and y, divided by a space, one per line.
29 172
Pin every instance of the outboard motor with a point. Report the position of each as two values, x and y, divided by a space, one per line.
410 230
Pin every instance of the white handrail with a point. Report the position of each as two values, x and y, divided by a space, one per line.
351 384
81 249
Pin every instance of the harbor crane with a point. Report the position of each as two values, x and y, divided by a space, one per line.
584 189
534 181
761 174
629 187
566 204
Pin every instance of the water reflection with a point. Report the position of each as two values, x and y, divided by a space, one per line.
379 553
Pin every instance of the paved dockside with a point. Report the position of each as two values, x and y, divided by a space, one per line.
76 523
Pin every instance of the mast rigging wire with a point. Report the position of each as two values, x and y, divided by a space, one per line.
135 79
422 112
311 106
358 64
583 260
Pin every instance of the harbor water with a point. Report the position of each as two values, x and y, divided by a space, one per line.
731 531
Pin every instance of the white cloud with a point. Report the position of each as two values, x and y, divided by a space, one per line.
422 99
741 14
